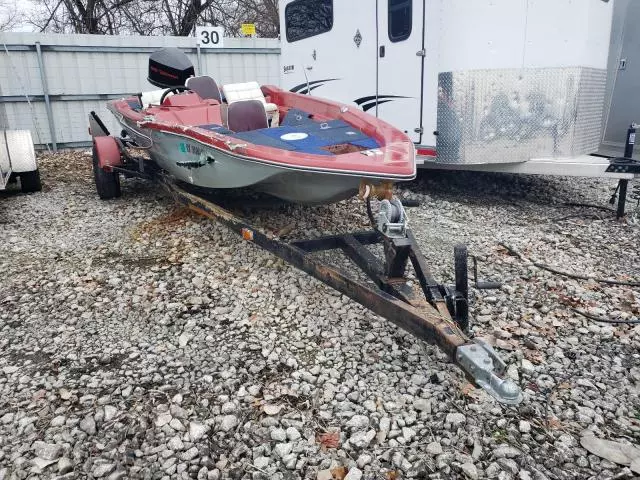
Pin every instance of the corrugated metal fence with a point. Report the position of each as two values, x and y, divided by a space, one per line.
50 83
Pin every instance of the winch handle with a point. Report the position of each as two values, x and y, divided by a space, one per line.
481 285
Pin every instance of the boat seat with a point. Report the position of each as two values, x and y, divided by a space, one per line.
152 97
186 99
205 86
237 92
247 115
189 116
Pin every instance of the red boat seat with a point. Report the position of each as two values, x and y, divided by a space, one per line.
189 116
247 115
182 100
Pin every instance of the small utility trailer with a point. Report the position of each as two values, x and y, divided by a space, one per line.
18 161
431 311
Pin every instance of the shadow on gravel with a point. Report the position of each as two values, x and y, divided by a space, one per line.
496 188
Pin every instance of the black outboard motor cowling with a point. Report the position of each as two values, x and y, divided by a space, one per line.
169 67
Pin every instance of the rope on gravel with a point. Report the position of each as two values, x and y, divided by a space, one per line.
555 270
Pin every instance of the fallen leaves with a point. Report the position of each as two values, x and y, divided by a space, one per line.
328 440
468 390
339 473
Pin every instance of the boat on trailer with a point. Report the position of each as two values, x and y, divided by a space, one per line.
201 138
295 147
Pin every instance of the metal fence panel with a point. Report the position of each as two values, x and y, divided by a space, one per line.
83 71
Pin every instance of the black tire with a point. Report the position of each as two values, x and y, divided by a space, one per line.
30 181
461 265
107 183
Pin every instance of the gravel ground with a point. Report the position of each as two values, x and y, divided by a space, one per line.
140 341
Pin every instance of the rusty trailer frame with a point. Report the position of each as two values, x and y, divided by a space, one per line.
424 312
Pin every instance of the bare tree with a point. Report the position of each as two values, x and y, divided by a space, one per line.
155 17
10 15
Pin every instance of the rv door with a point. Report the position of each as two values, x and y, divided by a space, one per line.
401 53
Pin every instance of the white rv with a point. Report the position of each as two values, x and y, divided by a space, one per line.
505 85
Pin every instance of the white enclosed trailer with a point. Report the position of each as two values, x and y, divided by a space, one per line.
18 160
494 85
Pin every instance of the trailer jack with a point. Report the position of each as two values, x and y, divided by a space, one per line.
433 312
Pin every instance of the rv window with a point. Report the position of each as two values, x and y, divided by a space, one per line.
399 20
308 18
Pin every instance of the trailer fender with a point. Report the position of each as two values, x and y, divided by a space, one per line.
108 152
19 147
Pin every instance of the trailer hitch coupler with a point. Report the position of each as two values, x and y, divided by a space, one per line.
480 361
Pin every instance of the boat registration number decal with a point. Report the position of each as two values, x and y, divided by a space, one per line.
190 149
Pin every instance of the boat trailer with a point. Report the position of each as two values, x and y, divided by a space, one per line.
433 312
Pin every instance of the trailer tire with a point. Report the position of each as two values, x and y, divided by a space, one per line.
461 269
107 183
30 181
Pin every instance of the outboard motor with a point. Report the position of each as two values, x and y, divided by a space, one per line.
169 67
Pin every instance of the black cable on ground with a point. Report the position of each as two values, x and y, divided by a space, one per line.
604 320
551 269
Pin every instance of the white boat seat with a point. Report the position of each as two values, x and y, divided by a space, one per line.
236 92
152 97
205 86
247 115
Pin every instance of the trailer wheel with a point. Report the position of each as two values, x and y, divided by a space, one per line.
107 183
30 181
462 286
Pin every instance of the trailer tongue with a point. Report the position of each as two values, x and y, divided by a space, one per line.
435 313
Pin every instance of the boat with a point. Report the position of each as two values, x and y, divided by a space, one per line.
299 148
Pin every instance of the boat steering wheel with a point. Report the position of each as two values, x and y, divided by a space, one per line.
176 90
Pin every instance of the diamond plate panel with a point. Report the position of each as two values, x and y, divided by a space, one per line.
513 115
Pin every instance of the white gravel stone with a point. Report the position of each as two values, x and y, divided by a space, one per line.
524 426
434 448
278 434
361 438
506 451
293 434
455 419
283 449
176 425
65 465
358 422
408 433
197 431
175 443
110 412
228 423
47 451
470 471
189 454
324 475
354 474
422 405
88 425
163 419
103 469
364 460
